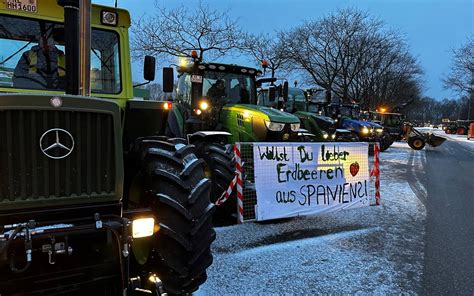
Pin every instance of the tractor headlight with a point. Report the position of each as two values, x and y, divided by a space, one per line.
364 130
203 105
295 127
333 136
325 135
379 130
109 18
143 227
274 126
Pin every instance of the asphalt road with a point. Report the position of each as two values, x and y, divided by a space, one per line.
448 176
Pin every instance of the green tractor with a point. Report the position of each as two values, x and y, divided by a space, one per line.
216 106
94 199
312 115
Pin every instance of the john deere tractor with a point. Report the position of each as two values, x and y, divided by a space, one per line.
216 106
94 200
313 117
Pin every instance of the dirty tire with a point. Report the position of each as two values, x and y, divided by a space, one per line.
416 143
220 162
385 141
179 194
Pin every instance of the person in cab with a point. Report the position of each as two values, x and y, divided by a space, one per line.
41 67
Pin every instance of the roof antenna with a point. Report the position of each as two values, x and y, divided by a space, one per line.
116 3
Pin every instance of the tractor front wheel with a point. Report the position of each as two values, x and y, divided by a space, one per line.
416 143
386 141
172 183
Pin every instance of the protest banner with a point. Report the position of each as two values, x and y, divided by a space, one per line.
293 179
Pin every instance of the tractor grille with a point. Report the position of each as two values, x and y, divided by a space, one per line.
27 174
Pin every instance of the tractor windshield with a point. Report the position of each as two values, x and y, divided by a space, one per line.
32 56
229 87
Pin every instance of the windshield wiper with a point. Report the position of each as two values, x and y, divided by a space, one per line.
14 54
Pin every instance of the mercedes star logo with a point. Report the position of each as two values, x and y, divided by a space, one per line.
56 143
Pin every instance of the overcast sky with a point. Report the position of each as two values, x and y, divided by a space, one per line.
431 28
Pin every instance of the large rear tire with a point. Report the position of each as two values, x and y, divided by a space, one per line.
220 167
173 184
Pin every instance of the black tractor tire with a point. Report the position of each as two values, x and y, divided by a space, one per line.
416 143
173 185
385 141
220 167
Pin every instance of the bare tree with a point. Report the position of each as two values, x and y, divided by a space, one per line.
461 77
265 47
176 32
335 49
355 57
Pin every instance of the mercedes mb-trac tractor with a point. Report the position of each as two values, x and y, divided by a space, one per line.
216 106
94 200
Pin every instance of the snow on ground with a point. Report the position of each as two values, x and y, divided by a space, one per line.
461 139
367 250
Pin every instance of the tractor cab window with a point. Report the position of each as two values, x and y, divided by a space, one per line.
229 88
350 111
32 56
296 94
183 91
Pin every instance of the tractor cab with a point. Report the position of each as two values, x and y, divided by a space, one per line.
221 97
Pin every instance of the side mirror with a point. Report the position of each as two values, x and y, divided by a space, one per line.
168 80
149 68
271 94
285 91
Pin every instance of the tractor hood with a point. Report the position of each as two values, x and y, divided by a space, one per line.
356 123
373 124
266 113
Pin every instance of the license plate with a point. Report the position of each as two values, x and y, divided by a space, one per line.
22 5
196 78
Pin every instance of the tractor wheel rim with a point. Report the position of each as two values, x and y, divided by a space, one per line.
417 143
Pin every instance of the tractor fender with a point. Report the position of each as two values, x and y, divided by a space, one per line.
207 135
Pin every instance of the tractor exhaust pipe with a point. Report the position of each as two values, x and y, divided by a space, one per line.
85 46
77 33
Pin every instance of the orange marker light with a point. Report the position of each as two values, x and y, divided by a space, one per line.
194 54
264 63
167 105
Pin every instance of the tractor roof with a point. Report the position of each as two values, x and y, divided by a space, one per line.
227 68
49 9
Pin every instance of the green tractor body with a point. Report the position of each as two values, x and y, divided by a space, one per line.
232 109
92 195
311 114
